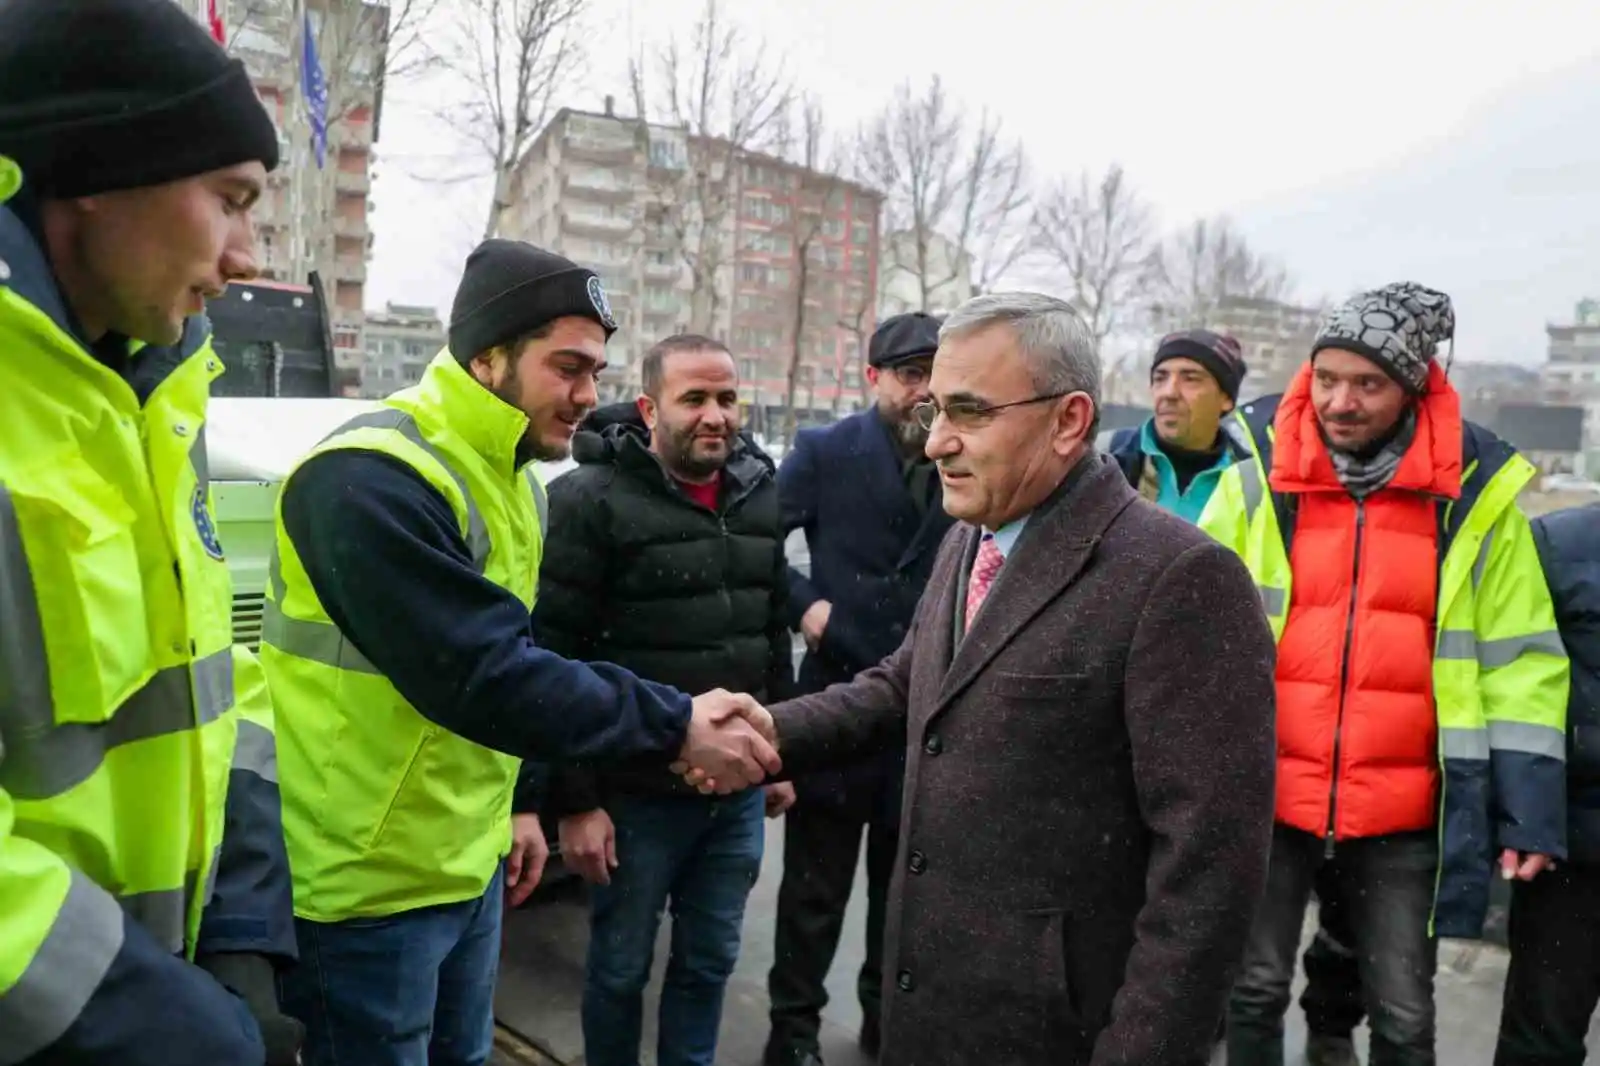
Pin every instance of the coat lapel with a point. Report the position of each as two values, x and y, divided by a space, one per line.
1057 544
935 524
875 458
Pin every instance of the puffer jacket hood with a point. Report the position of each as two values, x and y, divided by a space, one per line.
616 435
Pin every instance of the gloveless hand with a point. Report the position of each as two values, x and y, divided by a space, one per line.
1523 866
589 845
529 853
815 622
730 745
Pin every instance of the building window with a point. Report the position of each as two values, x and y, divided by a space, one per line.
860 233
346 338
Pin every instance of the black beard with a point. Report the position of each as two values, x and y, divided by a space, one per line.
680 458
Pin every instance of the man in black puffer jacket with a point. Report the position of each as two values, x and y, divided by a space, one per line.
1554 980
665 556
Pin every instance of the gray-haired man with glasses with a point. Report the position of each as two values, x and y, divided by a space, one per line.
1085 700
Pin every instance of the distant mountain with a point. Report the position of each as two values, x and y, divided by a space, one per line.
1503 213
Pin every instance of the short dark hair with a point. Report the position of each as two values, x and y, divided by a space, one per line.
650 368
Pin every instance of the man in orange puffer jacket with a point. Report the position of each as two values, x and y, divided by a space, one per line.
1421 685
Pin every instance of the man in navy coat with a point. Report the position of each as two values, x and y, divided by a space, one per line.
869 502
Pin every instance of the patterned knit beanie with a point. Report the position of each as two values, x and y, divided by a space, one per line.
1399 327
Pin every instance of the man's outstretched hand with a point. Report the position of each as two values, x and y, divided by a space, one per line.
731 744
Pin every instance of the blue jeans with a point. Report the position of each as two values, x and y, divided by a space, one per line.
1385 885
703 855
413 989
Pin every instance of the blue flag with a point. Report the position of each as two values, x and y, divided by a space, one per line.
315 87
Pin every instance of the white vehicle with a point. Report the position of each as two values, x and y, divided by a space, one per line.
251 445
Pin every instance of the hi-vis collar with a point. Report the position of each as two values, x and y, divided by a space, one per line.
10 178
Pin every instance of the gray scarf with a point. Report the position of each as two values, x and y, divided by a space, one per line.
1361 476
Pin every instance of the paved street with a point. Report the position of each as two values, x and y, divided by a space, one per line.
543 966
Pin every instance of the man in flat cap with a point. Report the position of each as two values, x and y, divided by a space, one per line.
144 893
399 648
868 499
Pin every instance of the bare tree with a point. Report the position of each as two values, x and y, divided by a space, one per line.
515 55
1096 235
724 96
957 190
1202 267
818 198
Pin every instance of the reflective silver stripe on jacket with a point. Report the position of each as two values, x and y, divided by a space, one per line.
40 758
406 426
63 974
256 751
1254 490
541 500
324 642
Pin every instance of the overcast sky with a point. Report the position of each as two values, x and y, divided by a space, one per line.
1211 107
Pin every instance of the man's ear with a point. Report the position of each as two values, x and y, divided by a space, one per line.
482 367
1072 422
647 410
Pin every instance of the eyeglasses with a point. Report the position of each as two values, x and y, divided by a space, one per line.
970 414
911 374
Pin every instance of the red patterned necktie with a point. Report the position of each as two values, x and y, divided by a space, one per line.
985 568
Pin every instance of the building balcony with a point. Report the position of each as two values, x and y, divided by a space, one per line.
354 134
603 185
662 271
600 149
355 228
353 182
595 223
350 268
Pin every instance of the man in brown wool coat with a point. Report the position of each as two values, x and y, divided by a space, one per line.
1086 700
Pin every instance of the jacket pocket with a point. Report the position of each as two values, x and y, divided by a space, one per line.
82 552
1038 686
1051 969
399 792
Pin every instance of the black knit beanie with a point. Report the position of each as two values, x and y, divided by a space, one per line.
1217 352
510 288
102 95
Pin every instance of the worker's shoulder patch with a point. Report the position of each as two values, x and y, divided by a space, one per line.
203 524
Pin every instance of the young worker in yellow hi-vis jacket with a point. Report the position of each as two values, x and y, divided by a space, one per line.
144 893
408 682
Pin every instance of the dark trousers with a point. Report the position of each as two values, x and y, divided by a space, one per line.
1332 999
1386 884
1553 984
698 856
821 847
412 989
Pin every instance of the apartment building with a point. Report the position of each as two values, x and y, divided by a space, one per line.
1571 373
948 269
398 343
315 218
797 253
1276 337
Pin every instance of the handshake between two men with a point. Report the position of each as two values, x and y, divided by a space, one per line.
731 744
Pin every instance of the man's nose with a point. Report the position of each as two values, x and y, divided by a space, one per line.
239 261
942 440
585 393
1342 399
